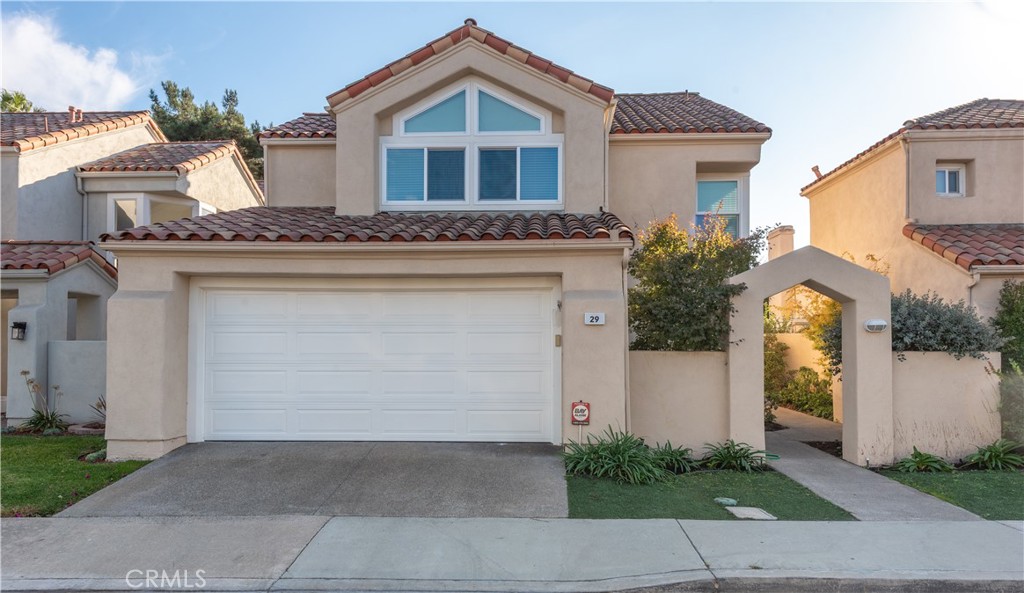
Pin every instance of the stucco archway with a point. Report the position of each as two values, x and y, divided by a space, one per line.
867 357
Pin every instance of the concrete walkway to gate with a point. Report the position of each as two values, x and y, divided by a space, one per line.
868 496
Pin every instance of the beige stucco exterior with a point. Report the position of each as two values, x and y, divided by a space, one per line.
944 406
43 202
579 116
861 210
300 172
653 176
679 397
149 317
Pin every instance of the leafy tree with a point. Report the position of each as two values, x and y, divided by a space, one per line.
681 300
1009 320
182 119
16 101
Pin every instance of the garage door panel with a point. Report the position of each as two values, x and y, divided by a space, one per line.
415 365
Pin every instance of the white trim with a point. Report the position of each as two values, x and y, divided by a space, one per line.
961 171
199 288
742 198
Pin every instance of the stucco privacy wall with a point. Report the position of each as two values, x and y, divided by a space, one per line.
867 359
651 178
945 406
79 367
300 173
680 397
149 319
49 206
358 123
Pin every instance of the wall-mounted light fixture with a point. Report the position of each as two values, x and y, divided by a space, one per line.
18 330
875 326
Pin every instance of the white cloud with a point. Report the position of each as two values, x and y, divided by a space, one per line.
54 73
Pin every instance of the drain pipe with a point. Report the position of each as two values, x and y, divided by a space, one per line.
85 207
906 188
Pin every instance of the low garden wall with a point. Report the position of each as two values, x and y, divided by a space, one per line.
680 397
80 368
944 406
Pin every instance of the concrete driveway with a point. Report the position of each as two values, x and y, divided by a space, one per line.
341 479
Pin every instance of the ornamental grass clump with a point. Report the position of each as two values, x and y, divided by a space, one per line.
625 458
735 456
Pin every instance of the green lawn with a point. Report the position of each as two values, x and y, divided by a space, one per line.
40 476
692 496
992 495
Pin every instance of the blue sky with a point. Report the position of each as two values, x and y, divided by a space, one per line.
829 78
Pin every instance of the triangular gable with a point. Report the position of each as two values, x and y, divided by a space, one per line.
470 32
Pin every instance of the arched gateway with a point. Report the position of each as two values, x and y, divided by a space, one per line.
867 356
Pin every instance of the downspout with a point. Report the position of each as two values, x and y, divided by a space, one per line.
625 330
975 279
608 118
85 207
906 189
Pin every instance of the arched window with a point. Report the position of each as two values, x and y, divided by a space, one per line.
471 147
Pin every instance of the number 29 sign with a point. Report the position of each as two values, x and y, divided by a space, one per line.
580 413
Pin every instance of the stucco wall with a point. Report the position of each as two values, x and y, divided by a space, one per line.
221 184
649 180
680 397
8 194
944 406
49 205
148 327
359 124
995 176
985 294
81 371
300 174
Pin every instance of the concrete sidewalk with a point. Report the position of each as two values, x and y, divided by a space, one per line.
544 555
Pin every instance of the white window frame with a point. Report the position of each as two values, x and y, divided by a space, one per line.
961 173
142 207
471 141
742 199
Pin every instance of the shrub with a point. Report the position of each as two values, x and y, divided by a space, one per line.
921 323
1011 402
1009 322
681 300
1000 455
735 456
922 462
808 393
675 460
776 375
617 455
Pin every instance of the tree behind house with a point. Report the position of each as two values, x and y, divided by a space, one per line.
16 102
182 120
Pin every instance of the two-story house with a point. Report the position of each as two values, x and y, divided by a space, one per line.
442 257
67 178
940 202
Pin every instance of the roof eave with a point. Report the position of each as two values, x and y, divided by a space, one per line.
263 247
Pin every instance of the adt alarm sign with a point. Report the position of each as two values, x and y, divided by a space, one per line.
580 413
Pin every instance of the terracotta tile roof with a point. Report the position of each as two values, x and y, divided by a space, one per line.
180 157
26 131
969 245
655 113
469 31
320 224
677 113
310 125
52 256
981 113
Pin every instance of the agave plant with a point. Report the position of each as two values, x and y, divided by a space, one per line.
1001 456
919 461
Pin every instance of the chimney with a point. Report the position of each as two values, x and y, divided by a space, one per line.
71 113
817 172
79 116
780 241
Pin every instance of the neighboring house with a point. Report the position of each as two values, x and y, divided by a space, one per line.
940 202
67 178
430 248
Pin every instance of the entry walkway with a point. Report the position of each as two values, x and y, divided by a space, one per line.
868 496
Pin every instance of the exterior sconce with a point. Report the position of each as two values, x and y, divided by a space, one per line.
874 326
18 330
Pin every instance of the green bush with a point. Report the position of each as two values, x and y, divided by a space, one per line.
681 300
920 323
1000 456
625 458
808 393
735 456
922 462
776 375
675 459
1011 402
1009 321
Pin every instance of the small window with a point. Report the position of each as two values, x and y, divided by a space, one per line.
949 181
719 198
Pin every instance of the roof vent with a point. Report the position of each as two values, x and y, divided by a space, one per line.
817 172
471 22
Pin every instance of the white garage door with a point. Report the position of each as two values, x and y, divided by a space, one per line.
436 365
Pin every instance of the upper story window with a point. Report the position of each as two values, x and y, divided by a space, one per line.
126 211
950 180
724 198
471 147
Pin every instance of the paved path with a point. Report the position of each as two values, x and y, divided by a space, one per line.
556 555
868 496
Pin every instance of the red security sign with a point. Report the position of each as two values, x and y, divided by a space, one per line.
580 413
